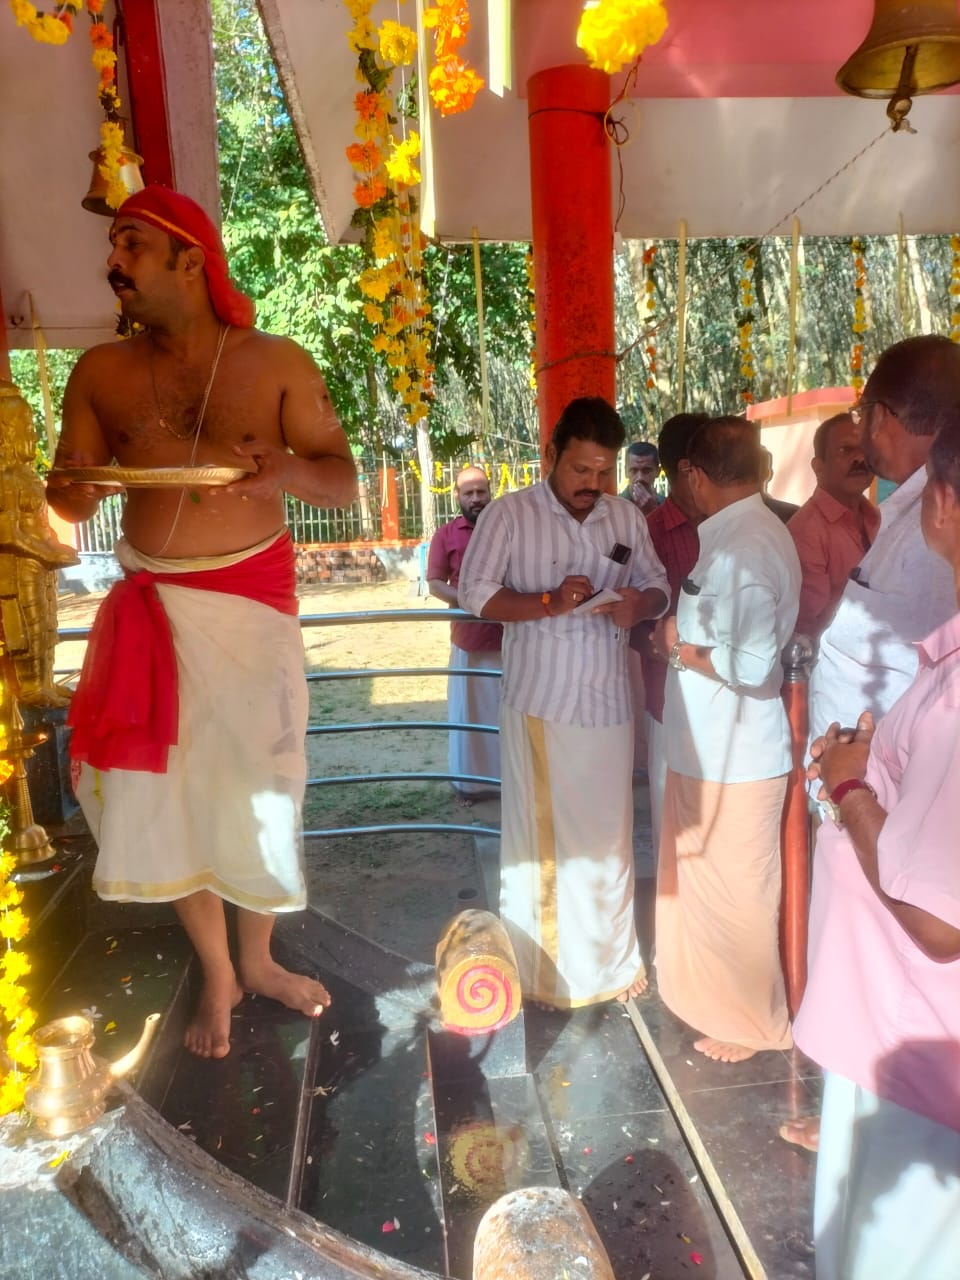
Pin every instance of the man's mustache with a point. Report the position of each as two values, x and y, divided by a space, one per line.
587 493
860 469
117 280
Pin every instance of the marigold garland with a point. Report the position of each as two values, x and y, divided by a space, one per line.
650 291
745 321
614 33
385 163
532 323
18 1055
56 28
955 288
453 84
859 325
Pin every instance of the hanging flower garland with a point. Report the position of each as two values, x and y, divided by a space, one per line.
17 1052
614 33
532 322
452 82
437 475
650 291
745 321
385 164
955 289
56 28
859 326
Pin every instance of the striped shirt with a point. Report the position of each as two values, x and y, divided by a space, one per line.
570 669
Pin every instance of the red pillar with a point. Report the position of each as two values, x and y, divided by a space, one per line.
389 505
572 238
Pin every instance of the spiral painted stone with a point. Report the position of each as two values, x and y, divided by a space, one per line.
477 979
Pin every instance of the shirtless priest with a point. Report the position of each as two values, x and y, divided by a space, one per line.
189 718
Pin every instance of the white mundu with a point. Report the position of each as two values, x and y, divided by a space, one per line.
226 814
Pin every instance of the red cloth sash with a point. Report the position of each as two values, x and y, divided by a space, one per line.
125 713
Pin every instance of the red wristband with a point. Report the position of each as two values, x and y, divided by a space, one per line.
545 601
844 788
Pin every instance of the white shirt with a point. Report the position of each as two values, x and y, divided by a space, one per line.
741 601
569 669
903 593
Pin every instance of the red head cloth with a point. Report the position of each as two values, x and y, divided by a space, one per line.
183 218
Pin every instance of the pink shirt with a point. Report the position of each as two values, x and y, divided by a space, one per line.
830 543
448 546
877 1010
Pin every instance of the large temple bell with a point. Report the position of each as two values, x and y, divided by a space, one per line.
95 201
911 47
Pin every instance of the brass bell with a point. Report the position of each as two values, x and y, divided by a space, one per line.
95 201
911 47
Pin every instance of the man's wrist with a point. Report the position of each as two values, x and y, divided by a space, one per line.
545 602
674 658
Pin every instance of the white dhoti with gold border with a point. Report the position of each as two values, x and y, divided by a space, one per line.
566 858
226 815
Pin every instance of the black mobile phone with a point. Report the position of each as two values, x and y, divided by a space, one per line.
620 554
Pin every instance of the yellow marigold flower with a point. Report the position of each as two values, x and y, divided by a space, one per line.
398 43
373 284
380 343
13 1000
13 924
13 1087
363 36
11 895
612 33
401 382
384 241
15 965
400 165
103 58
372 313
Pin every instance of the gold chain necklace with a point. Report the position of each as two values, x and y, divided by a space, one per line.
193 431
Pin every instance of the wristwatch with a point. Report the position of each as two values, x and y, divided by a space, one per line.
674 658
843 789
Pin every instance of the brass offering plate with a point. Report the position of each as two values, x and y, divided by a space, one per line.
155 477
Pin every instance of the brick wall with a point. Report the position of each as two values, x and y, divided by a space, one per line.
339 564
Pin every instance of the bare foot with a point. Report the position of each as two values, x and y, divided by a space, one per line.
208 1034
802 1133
635 989
723 1050
295 990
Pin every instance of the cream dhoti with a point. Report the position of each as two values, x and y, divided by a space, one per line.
718 909
566 858
225 812
474 700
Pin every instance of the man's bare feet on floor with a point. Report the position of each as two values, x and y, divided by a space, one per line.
722 1050
635 989
295 990
804 1132
208 1034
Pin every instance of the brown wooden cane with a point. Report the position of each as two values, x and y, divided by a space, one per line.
795 825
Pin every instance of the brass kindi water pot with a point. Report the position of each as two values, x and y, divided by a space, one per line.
68 1090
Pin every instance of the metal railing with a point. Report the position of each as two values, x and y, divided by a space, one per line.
310 621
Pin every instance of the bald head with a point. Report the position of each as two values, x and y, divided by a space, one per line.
472 490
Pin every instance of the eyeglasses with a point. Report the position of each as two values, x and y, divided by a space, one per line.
858 412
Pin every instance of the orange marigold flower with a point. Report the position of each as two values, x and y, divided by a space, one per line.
365 156
100 36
